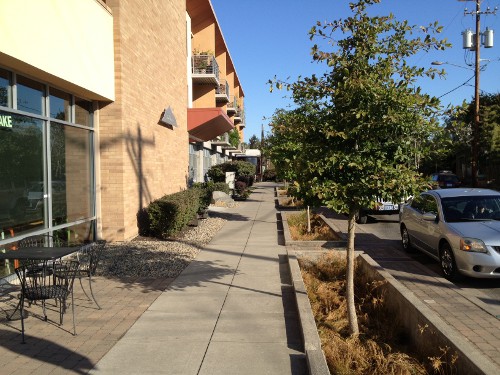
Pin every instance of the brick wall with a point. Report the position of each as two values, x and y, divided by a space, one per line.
141 160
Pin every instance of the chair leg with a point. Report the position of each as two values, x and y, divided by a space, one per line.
73 311
21 309
92 292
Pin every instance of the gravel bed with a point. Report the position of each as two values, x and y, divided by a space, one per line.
153 258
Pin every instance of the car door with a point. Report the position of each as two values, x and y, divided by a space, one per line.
413 220
430 230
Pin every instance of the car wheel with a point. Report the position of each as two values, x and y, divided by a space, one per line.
405 239
448 264
361 217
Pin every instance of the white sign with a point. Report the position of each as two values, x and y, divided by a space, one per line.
5 121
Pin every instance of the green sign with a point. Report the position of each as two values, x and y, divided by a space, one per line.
5 121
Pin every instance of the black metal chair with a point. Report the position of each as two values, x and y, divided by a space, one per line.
89 256
47 283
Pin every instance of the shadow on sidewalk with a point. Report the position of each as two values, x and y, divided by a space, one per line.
45 351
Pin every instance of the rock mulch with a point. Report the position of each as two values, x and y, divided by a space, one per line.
153 258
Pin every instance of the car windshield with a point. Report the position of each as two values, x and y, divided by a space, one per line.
471 208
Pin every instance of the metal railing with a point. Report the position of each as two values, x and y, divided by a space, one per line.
205 64
222 88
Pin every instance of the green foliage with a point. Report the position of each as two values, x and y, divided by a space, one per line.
171 213
217 173
359 129
234 137
254 142
206 190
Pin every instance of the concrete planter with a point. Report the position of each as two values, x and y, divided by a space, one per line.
282 204
312 245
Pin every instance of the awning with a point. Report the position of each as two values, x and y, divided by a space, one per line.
208 123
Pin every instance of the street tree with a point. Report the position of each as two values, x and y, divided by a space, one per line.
368 116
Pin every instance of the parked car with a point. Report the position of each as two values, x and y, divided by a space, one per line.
445 179
458 227
382 208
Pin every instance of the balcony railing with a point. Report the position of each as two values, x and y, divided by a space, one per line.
222 91
205 69
239 116
233 106
221 140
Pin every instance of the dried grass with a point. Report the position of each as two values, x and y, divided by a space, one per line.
320 231
382 346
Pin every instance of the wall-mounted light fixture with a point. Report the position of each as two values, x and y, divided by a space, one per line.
168 118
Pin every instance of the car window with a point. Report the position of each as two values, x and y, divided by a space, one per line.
425 203
429 205
468 208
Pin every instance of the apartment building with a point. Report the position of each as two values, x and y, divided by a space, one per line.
106 105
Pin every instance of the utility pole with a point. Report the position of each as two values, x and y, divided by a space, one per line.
476 44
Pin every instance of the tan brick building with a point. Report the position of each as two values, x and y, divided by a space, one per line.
110 99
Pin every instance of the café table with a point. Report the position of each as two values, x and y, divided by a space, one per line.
42 254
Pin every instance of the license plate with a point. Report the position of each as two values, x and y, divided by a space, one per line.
388 207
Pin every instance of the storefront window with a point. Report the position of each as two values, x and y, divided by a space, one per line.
60 105
21 152
30 95
47 183
5 89
71 173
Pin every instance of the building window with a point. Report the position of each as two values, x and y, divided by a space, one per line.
47 164
30 95
60 105
5 89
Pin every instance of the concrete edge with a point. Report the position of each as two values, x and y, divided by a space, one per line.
304 245
316 361
431 330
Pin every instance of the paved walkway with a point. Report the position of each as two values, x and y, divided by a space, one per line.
231 311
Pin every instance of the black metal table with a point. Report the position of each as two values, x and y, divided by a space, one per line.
39 253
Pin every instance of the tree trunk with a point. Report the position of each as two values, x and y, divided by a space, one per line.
351 306
308 221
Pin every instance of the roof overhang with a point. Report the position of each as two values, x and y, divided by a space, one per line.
207 123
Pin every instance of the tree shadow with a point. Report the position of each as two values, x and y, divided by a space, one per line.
44 350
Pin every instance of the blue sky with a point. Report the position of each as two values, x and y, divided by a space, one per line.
270 37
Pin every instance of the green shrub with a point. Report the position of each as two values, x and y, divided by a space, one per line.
206 190
217 173
170 214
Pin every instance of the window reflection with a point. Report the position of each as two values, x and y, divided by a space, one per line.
83 111
30 95
60 105
5 90
71 173
24 140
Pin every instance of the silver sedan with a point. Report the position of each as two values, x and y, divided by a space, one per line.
458 227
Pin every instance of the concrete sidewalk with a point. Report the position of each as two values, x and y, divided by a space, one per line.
231 311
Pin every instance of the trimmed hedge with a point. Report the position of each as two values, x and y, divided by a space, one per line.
167 216
171 213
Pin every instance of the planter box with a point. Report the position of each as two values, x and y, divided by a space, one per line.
312 245
281 204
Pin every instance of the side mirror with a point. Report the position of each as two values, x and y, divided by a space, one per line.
429 216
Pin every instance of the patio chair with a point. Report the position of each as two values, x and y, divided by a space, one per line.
89 256
41 284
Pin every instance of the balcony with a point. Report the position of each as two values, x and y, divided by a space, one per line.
239 116
204 69
232 106
222 91
221 140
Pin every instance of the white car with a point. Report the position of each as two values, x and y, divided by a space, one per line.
458 227
382 208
